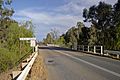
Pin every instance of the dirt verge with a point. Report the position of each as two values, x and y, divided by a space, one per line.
38 71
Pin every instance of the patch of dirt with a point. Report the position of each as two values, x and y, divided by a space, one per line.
7 75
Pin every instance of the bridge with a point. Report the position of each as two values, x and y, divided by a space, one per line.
81 64
65 64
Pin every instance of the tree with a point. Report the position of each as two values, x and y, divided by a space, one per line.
5 13
83 34
116 16
49 39
54 33
9 51
5 9
118 38
61 41
10 32
79 25
116 21
93 35
101 17
71 37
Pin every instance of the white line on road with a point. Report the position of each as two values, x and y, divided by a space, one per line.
114 73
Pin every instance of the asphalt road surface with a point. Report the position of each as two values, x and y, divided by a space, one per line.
64 64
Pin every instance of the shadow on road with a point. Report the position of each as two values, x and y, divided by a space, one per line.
56 48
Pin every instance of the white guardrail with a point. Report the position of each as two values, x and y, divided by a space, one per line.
25 72
25 67
91 49
98 50
110 52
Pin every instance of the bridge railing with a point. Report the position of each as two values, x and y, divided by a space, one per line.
26 66
97 49
91 49
112 53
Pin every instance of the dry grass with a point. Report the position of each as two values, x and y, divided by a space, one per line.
38 71
7 75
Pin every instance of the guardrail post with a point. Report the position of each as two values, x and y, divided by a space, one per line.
101 50
118 56
15 74
88 49
23 65
94 49
25 72
36 48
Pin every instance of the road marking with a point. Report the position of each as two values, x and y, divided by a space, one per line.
114 73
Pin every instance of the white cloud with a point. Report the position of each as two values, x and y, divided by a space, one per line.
48 18
62 17
71 8
87 3
47 21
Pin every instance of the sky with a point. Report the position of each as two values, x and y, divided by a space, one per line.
52 14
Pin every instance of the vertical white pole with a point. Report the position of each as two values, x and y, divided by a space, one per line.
83 47
118 56
94 49
36 48
88 49
75 46
33 49
101 50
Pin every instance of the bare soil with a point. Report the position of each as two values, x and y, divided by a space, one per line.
38 71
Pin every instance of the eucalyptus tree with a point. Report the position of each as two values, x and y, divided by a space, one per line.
101 17
116 21
6 11
71 36
49 39
83 34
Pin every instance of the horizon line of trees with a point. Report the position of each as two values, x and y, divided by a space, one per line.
104 29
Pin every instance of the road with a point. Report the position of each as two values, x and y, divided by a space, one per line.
63 64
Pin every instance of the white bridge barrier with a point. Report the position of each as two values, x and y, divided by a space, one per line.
92 49
53 45
25 72
98 50
25 67
110 52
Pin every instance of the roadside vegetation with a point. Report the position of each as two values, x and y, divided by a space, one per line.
10 32
104 29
